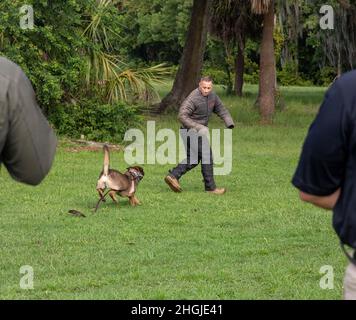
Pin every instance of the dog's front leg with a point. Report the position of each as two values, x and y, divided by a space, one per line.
134 201
137 201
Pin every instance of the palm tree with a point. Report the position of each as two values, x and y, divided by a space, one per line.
232 22
191 63
267 83
106 71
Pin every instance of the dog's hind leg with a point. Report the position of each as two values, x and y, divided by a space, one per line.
102 198
101 194
112 194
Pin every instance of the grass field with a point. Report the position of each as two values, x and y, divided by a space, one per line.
258 241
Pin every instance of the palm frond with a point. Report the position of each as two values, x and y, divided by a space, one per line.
137 84
114 78
96 30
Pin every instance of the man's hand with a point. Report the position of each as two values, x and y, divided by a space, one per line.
325 202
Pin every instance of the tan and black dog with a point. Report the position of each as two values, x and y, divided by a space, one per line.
123 184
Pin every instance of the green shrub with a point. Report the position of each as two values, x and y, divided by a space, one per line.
219 76
46 53
289 76
251 78
251 71
326 76
98 122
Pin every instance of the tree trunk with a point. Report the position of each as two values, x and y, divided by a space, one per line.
228 56
240 68
339 63
189 71
267 68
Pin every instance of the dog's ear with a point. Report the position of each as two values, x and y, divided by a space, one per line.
141 170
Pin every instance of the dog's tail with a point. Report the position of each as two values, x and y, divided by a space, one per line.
106 160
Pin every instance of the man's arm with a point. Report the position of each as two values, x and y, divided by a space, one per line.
321 169
325 202
223 113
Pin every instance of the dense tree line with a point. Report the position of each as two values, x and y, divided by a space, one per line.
96 52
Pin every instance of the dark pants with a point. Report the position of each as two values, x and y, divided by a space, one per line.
198 151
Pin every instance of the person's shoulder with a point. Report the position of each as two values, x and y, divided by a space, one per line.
9 70
194 94
341 94
342 89
214 95
346 80
347 76
6 65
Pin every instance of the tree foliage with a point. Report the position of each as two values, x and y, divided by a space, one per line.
112 50
72 52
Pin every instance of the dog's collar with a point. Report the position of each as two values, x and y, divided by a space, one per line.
135 175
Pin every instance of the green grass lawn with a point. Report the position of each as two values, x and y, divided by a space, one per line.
258 241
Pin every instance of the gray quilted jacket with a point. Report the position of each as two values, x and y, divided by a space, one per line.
196 110
27 142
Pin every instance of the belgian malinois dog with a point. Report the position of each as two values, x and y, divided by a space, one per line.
123 184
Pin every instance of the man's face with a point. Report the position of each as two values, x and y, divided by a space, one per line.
205 87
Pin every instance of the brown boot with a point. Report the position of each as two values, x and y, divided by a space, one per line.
173 183
218 191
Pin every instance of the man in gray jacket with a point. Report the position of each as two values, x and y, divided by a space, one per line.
194 115
27 142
